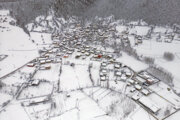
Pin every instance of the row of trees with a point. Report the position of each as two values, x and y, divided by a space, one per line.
161 74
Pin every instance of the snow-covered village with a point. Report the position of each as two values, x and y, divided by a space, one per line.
57 68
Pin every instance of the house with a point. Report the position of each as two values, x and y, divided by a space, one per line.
54 50
50 51
103 72
57 60
83 51
55 42
58 54
123 77
69 52
145 92
128 73
103 78
131 81
87 46
112 60
138 87
92 51
87 49
78 43
35 82
149 104
135 97
31 64
133 89
44 67
66 56
117 66
87 53
42 58
128 84
167 40
48 61
83 57
109 56
123 65
95 56
78 55
138 40
149 81
99 56
149 78
103 64
118 73
140 80
42 61
47 55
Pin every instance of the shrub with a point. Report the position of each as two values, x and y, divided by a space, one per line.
1 84
148 60
168 56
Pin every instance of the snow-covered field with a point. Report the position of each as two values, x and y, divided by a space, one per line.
14 112
132 62
43 89
162 90
74 77
77 107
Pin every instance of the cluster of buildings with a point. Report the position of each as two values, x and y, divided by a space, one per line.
80 42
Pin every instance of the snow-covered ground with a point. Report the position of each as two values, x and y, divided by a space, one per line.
14 112
174 117
139 114
162 90
79 107
132 62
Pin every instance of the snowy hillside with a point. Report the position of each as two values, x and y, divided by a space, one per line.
14 43
103 68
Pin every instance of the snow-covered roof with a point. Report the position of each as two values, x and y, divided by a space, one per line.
135 97
139 79
145 91
103 78
117 65
118 73
138 87
123 77
35 82
131 81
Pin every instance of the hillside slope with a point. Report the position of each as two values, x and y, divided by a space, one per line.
159 12
152 11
